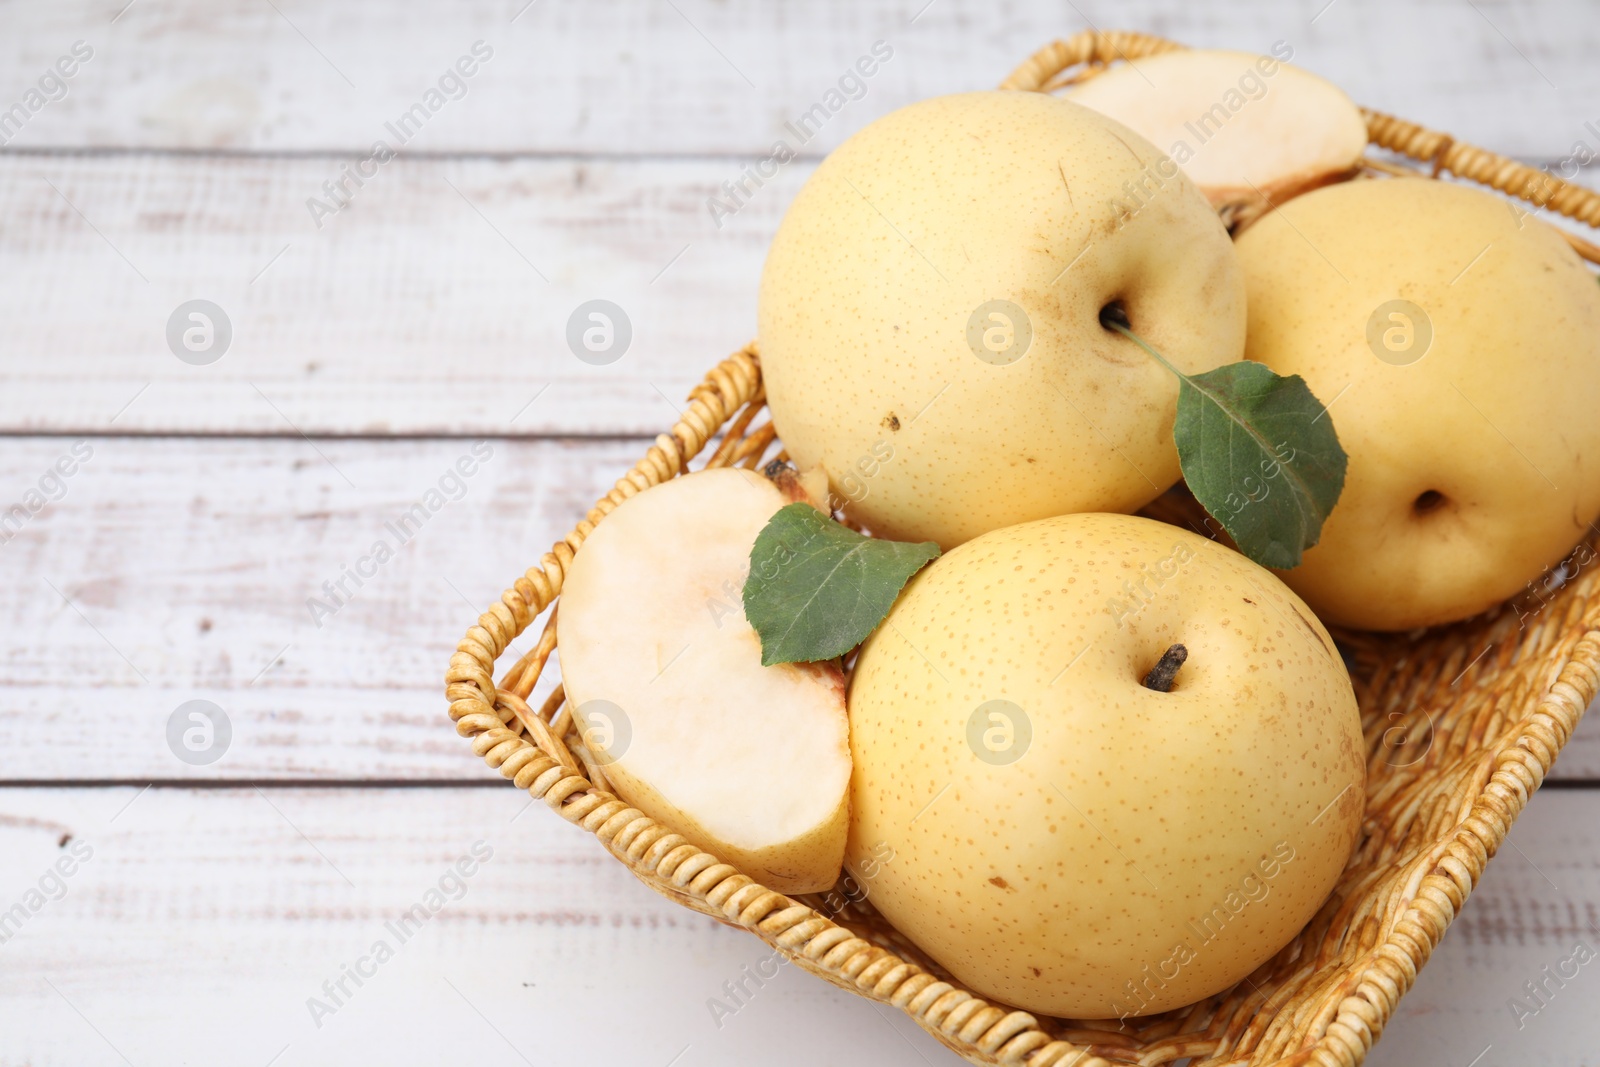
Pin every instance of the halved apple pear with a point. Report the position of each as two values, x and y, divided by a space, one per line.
664 675
1249 130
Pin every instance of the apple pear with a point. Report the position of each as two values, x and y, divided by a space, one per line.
664 675
1457 342
1250 130
1118 765
929 315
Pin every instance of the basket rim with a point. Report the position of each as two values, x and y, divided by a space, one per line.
527 747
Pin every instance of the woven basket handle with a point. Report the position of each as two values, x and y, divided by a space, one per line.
1062 63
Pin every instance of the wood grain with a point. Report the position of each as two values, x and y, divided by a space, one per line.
723 78
177 565
203 921
189 564
438 302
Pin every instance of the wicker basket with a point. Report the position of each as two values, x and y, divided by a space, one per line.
1461 722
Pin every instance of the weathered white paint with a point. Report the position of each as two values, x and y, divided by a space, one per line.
204 921
177 166
438 302
192 561
723 78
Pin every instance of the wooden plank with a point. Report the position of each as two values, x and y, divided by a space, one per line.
723 78
189 565
195 558
438 302
237 906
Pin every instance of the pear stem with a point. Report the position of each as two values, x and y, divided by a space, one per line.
1114 317
1165 671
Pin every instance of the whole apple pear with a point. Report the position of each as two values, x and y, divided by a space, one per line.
930 315
1457 342
1072 834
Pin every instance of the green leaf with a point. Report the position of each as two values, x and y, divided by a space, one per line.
817 589
1260 454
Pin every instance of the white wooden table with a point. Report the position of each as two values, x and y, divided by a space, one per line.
212 911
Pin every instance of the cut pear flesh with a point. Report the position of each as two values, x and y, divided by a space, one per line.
664 676
1243 127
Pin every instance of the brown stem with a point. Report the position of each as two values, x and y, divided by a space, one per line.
1166 669
1114 316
